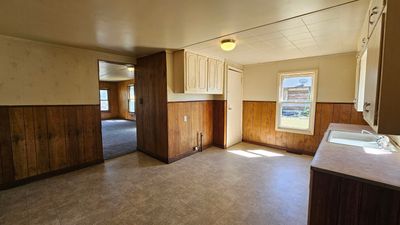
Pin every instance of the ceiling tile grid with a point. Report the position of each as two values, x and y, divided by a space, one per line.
327 32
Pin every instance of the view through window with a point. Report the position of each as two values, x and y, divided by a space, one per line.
131 99
296 104
104 106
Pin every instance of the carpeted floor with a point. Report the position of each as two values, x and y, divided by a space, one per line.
119 137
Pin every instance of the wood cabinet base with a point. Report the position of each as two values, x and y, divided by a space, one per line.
339 200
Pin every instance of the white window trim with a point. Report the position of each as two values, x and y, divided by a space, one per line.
129 99
314 74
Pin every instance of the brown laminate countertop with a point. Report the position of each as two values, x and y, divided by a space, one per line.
353 161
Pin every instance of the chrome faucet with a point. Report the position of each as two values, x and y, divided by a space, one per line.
382 140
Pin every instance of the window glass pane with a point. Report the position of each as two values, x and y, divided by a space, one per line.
131 92
131 106
295 116
104 105
103 94
297 89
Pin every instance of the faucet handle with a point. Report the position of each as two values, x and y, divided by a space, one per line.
383 141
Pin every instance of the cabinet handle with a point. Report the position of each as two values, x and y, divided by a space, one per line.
366 105
374 11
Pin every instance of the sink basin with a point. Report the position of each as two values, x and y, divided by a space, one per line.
351 138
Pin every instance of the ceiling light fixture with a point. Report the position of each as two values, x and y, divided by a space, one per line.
130 68
228 44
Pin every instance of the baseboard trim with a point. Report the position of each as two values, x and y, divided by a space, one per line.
289 150
49 174
188 153
162 159
220 146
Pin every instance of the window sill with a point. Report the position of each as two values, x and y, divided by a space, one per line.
288 130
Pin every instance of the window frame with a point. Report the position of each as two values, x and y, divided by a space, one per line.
108 99
313 102
130 99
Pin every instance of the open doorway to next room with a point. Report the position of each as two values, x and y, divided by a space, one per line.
117 106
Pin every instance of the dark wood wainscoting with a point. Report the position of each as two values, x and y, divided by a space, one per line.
151 105
40 140
219 123
259 125
183 136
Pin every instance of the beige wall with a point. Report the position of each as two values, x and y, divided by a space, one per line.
37 73
336 77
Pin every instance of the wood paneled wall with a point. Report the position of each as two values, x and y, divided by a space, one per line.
123 94
183 136
118 100
219 123
37 140
113 100
151 105
259 125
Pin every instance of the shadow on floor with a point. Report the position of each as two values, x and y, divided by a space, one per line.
119 137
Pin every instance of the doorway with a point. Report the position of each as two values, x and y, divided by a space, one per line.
235 105
117 108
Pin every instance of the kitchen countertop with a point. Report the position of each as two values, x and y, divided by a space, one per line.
354 162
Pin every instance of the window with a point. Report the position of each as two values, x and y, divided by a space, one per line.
131 99
104 106
296 103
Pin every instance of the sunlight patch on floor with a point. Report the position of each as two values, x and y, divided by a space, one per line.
255 153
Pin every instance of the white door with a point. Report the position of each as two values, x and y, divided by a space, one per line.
235 104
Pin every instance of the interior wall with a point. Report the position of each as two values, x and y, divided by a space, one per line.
38 73
151 110
49 105
123 94
336 77
259 125
113 100
184 135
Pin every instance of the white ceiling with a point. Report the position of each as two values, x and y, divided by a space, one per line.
141 27
336 30
114 72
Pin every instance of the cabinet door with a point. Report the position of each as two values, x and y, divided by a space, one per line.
191 74
373 75
375 11
212 75
220 77
202 74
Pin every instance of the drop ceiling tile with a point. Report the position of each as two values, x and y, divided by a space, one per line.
295 31
302 36
328 32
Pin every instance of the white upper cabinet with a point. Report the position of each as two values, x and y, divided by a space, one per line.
202 74
197 74
373 68
191 68
375 12
378 81
215 76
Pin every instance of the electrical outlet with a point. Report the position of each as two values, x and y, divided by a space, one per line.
185 119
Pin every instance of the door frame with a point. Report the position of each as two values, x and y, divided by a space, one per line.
227 104
98 89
